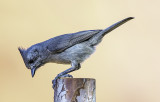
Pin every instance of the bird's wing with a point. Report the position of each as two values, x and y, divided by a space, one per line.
60 43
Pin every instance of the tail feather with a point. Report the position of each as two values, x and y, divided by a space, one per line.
97 38
114 26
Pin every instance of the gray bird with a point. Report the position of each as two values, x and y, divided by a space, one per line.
71 49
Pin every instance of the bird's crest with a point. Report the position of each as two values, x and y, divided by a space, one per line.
23 54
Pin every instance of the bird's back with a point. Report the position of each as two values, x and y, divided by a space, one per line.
60 43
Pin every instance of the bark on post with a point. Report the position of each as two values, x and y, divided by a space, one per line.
75 90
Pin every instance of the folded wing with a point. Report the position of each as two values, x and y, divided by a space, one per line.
60 43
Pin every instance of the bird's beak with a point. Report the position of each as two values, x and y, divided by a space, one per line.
33 70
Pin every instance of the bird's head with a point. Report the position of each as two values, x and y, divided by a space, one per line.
31 58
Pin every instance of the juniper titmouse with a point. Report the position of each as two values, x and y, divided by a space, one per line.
71 49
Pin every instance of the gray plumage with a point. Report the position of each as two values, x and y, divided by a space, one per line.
71 49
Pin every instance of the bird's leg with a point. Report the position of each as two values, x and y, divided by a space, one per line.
75 66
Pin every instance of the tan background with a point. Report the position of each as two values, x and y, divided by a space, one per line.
125 65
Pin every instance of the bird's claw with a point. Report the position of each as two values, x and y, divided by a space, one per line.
54 82
67 75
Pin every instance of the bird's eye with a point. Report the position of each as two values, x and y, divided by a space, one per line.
31 61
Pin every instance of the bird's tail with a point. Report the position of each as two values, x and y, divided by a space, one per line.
97 38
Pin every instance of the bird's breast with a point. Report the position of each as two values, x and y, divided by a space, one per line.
78 52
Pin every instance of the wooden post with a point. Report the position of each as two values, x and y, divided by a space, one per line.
75 90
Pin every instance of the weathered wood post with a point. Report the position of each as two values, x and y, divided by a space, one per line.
75 90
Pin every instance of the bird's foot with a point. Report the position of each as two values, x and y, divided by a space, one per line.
54 82
67 75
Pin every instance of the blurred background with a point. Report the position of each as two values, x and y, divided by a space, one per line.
126 64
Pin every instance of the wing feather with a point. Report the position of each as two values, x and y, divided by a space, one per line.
62 42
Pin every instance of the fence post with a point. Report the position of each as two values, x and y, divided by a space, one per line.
75 90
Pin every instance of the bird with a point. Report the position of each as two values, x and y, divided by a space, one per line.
72 48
